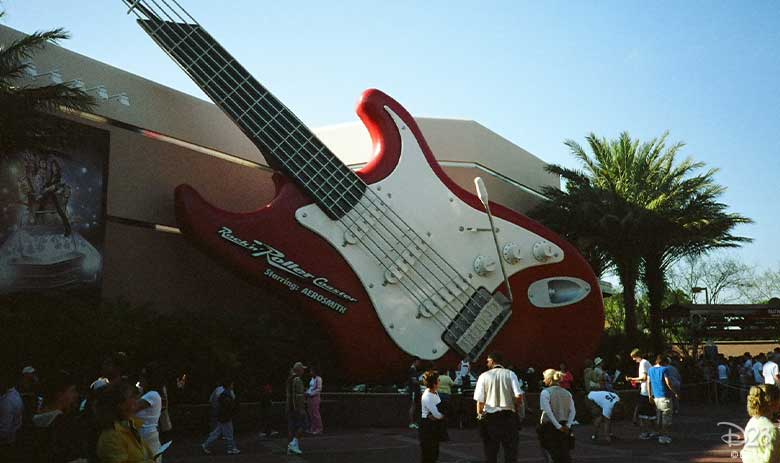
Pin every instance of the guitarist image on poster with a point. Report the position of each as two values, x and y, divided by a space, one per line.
45 190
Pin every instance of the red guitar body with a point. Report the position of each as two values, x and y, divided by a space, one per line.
542 338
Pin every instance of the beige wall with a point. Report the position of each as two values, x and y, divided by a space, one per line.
143 265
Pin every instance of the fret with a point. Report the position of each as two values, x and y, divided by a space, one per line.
188 67
251 107
193 29
270 125
230 94
290 134
219 72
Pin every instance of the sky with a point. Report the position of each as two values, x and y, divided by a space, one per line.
536 73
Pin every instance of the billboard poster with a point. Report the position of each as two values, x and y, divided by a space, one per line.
52 215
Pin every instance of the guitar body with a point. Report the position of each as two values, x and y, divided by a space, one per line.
291 247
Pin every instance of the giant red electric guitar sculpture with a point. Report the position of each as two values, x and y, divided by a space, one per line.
390 258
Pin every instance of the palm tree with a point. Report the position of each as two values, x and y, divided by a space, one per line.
25 110
689 221
602 225
643 209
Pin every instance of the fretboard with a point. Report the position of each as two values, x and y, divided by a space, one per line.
282 138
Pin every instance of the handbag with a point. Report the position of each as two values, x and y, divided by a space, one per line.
441 431
165 421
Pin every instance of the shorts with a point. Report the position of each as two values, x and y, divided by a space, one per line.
663 406
646 410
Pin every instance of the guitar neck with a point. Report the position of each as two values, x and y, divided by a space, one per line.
282 138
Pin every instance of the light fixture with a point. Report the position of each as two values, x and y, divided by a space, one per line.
698 289
77 84
54 75
31 70
102 92
122 98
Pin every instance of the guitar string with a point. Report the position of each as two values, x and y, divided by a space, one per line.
332 161
412 293
224 99
438 293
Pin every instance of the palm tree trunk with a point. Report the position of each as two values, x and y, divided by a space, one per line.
655 281
629 274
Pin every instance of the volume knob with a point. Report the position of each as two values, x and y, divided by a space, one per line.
484 265
512 252
543 251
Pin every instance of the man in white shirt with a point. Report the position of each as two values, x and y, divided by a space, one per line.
499 397
770 371
643 411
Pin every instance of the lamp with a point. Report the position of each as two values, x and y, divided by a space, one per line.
77 84
698 289
101 93
30 69
122 98
54 76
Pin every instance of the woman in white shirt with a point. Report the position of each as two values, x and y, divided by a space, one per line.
558 413
432 419
762 439
149 407
313 401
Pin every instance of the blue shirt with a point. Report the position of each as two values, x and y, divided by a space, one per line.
656 375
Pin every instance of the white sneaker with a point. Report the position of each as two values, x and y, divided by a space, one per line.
413 426
664 440
233 451
645 436
293 450
205 449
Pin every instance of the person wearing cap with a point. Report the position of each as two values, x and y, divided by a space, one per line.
499 397
296 408
226 410
596 376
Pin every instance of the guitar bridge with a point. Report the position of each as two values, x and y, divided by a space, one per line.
477 323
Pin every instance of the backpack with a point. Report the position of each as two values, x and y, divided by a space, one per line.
227 407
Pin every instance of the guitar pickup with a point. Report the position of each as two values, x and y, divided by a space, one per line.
361 224
477 323
404 263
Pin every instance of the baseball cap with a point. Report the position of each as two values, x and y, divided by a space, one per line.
28 370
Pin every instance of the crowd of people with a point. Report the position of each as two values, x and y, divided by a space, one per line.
123 417
500 407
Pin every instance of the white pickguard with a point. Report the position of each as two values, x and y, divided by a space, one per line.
416 194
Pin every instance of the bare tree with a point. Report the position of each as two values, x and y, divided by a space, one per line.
762 287
727 279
